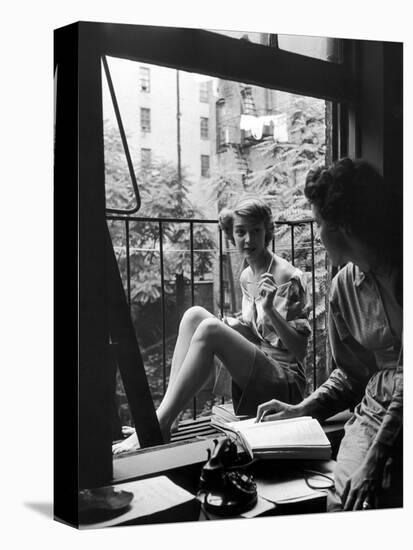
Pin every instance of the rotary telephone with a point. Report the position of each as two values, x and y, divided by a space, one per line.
224 489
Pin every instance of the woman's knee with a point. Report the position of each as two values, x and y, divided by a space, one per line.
194 316
209 330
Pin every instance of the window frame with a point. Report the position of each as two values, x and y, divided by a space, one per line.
144 77
221 128
146 151
205 173
227 58
145 120
203 92
204 127
247 101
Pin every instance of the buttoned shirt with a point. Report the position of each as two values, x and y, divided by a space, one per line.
366 348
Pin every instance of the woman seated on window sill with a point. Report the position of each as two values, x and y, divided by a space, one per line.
263 352
360 220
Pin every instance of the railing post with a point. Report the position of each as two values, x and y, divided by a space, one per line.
314 308
191 249
128 264
163 312
292 244
221 275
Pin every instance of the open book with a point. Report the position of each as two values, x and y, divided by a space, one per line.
225 413
301 437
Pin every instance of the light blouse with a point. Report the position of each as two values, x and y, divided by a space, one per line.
290 300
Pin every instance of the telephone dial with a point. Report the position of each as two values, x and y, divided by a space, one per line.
224 488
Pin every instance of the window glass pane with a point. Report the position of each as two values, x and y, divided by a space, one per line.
144 79
145 157
327 49
204 128
145 119
204 92
255 37
205 166
256 140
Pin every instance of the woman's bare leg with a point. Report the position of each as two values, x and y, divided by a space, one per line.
212 337
188 325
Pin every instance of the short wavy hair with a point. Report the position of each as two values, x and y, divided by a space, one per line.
352 194
251 208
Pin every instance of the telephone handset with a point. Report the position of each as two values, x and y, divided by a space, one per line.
224 489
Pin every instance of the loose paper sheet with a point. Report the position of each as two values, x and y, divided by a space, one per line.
287 489
150 496
262 506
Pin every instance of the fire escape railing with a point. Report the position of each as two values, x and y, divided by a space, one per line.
160 222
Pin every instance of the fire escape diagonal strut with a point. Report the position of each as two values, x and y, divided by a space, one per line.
129 358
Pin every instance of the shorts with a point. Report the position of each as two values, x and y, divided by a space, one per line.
269 379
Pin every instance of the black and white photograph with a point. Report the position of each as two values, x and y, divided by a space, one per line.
239 273
225 281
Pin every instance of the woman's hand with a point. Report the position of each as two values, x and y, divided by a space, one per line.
295 342
278 409
266 289
362 488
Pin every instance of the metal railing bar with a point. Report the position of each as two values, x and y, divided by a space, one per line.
191 230
221 275
137 249
156 220
191 240
163 309
128 277
221 283
195 220
292 245
124 143
313 307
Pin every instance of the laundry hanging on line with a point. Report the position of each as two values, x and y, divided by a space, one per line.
255 125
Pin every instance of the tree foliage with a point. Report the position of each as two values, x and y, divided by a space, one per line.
163 195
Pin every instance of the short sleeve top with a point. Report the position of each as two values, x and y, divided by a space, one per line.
290 300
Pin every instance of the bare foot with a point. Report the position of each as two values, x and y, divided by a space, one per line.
175 426
127 430
131 443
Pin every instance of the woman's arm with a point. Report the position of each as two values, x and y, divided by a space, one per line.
295 342
344 387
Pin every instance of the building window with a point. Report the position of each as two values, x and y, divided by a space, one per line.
145 119
205 166
222 132
144 80
248 107
203 92
204 128
146 157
